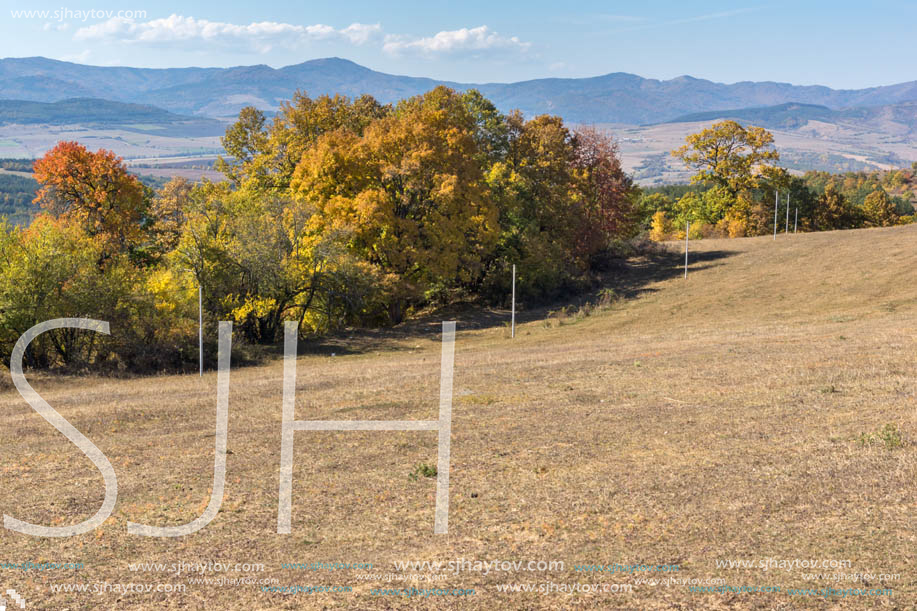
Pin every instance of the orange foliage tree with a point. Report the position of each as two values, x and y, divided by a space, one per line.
94 191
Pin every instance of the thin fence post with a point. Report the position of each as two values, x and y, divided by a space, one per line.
513 332
200 327
787 230
796 221
776 205
687 231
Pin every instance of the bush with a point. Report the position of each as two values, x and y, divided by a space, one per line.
6 382
608 297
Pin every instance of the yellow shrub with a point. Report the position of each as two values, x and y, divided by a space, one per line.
661 229
733 225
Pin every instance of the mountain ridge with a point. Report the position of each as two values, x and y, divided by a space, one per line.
615 97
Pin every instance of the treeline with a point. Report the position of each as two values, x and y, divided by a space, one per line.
16 165
337 212
737 181
16 195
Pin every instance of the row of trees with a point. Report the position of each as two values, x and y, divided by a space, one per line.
736 178
336 212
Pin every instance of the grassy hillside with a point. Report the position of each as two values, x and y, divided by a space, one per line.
762 408
83 111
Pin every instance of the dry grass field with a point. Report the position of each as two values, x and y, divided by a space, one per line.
764 408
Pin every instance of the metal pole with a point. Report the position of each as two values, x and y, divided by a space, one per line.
787 230
513 334
776 205
687 230
796 220
200 327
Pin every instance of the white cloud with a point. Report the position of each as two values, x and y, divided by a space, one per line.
262 36
454 42
266 35
361 33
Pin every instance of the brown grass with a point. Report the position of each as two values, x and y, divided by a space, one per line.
716 418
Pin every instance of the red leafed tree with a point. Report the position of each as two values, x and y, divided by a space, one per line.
93 190
605 191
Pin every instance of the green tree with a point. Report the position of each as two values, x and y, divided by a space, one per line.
491 131
245 140
259 264
539 219
50 270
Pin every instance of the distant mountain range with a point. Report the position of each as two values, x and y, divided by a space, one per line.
616 98
898 118
144 114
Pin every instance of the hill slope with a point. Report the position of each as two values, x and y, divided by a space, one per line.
762 408
89 111
902 116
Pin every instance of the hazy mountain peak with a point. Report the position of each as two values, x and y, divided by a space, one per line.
616 97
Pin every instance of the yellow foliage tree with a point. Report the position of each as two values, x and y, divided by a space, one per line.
410 192
661 229
879 209
730 155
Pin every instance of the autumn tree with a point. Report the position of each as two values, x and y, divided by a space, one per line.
336 211
265 156
729 155
167 213
661 227
259 263
879 209
834 211
410 191
94 191
605 193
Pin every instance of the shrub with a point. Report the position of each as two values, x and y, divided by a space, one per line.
661 229
607 297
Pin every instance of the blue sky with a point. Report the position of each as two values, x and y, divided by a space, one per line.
840 44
